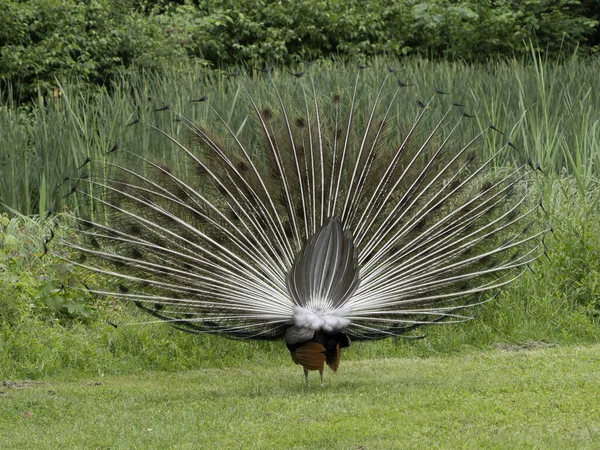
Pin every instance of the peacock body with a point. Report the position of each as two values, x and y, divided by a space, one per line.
332 224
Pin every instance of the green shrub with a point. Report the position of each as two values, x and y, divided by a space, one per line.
576 247
45 40
34 283
261 31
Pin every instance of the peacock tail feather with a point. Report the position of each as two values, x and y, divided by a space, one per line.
332 218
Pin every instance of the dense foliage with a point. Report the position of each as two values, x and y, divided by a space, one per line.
51 326
35 285
549 107
42 40
46 40
50 331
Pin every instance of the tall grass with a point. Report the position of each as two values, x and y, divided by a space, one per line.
557 303
548 108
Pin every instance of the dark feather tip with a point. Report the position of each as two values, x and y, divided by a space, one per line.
361 67
530 164
492 127
163 108
439 91
464 114
541 205
72 191
65 179
267 69
134 121
113 149
49 238
87 160
538 167
201 99
403 84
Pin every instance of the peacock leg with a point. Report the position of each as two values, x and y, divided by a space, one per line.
322 382
306 375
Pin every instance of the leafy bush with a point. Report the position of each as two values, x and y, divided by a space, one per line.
577 246
89 41
259 31
33 282
47 39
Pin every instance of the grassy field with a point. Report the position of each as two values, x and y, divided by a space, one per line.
543 397
523 375
47 332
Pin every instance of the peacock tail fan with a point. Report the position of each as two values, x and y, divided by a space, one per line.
326 213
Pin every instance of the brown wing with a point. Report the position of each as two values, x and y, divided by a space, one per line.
311 356
333 358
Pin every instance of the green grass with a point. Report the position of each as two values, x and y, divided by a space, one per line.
549 109
541 398
162 388
558 304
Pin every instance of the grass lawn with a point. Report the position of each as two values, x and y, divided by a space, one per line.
545 397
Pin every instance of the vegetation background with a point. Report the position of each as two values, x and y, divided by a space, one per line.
74 73
92 41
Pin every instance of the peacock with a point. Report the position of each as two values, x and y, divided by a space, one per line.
330 222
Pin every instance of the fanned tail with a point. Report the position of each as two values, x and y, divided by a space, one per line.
338 221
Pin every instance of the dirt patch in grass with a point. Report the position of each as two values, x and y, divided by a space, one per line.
529 345
19 384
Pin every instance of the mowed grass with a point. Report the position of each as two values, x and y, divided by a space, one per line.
539 398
